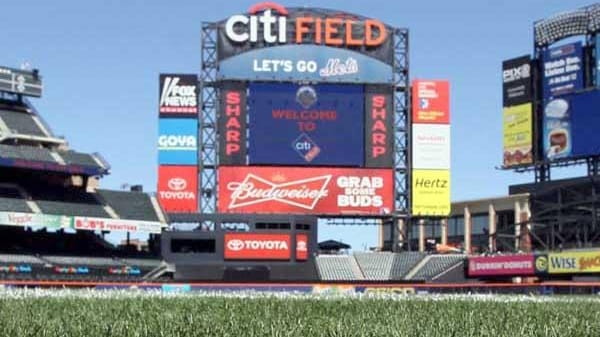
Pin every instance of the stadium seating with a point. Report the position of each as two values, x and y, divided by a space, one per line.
11 200
403 263
130 205
82 261
436 265
68 201
26 153
375 266
19 258
141 263
336 268
77 158
21 123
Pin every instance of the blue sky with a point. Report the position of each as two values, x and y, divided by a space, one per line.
100 62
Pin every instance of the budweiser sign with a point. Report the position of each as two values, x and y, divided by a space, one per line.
248 246
305 190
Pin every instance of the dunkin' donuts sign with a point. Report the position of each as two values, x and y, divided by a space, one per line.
305 190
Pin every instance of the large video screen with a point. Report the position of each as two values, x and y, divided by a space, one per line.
571 125
306 125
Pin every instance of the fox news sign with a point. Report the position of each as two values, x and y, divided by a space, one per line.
178 95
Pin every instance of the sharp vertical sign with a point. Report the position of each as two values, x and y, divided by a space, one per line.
562 70
232 124
178 95
379 122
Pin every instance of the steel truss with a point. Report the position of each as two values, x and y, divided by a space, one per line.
207 127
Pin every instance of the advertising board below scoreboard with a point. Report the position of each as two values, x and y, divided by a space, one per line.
294 124
573 262
298 190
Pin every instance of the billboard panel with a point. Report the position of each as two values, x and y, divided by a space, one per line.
562 70
177 141
34 220
431 146
431 192
516 81
250 246
571 125
501 265
305 63
231 124
379 126
518 135
303 26
574 262
430 102
22 82
178 188
597 44
116 225
298 190
294 124
178 95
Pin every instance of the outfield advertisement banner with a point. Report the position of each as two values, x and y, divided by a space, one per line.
298 190
431 102
178 188
516 81
250 246
178 95
379 126
518 135
431 192
562 70
431 146
574 262
501 265
178 141
116 225
231 124
35 220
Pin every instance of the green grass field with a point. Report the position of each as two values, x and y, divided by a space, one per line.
194 315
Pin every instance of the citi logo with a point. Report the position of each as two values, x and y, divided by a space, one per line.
177 184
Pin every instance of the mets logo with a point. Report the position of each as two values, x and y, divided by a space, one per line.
306 96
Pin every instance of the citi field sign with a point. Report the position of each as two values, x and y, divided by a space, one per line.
272 42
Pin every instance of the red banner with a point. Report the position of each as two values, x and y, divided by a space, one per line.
178 188
249 246
430 102
502 265
300 190
301 247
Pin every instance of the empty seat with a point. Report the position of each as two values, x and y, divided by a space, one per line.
21 123
19 258
436 265
130 205
403 263
83 261
78 158
11 200
335 268
26 153
375 266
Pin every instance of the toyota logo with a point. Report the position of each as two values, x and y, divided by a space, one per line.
235 245
177 184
